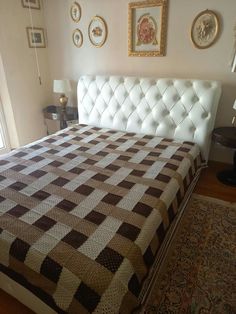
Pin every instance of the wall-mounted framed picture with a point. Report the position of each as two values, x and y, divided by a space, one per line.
77 38
147 28
36 38
97 31
75 12
32 4
205 29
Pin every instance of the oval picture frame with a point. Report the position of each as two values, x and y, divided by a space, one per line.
205 29
97 31
77 38
75 12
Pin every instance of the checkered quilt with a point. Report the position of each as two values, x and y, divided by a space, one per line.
84 212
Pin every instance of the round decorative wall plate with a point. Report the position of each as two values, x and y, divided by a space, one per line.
75 12
77 38
205 29
97 31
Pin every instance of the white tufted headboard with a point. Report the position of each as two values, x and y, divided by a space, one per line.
173 108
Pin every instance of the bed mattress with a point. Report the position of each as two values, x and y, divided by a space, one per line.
83 214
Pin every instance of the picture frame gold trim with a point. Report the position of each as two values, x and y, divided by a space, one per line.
103 22
78 7
210 40
36 45
31 6
161 50
78 45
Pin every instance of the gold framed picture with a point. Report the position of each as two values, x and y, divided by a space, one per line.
75 12
36 38
97 31
77 38
32 4
147 28
205 29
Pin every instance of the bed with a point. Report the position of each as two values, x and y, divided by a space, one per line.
86 214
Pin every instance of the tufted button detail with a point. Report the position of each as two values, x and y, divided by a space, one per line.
188 84
176 98
158 96
170 83
205 115
195 99
184 114
165 112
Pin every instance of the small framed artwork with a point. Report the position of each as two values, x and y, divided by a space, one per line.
32 4
75 12
205 29
77 38
147 28
97 31
36 37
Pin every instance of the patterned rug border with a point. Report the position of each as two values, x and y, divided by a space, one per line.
162 267
212 199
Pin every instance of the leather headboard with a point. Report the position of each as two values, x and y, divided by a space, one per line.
173 108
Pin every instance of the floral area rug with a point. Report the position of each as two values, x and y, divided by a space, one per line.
198 275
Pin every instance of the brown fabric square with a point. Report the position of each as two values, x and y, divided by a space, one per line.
87 297
163 178
37 158
101 153
100 177
45 223
171 166
110 259
147 162
70 156
52 151
154 154
137 173
142 209
90 161
38 173
56 163
113 167
111 198
66 205
140 143
2 178
18 168
18 186
123 157
19 249
84 189
126 184
177 157
129 231
19 154
75 239
35 147
65 144
82 148
132 150
95 217
41 195
18 211
154 192
60 181
76 170
51 269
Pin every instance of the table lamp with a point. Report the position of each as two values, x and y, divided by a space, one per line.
234 107
62 87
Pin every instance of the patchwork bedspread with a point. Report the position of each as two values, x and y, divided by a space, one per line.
83 213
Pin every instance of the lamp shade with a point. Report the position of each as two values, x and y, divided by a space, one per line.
61 86
234 105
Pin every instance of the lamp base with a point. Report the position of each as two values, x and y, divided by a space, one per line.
63 101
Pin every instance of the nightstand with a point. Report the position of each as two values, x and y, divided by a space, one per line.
69 118
226 136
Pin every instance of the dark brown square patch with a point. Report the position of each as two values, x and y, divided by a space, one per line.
110 259
163 178
38 173
76 170
95 217
137 173
129 231
18 168
56 163
66 205
45 223
70 156
154 192
41 195
60 181
111 199
18 211
51 269
142 209
18 186
37 158
19 249
126 184
100 177
75 239
87 297
84 189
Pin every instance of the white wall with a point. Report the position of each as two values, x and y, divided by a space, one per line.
26 96
182 59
